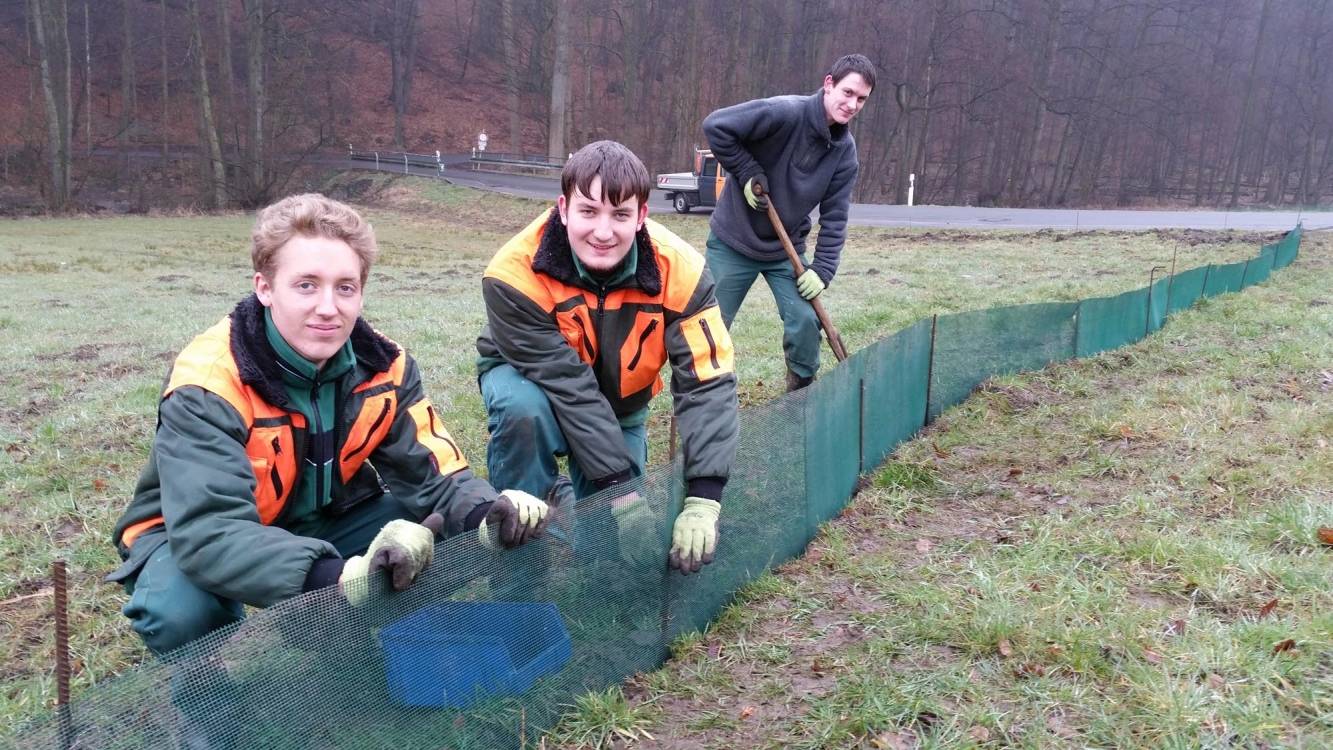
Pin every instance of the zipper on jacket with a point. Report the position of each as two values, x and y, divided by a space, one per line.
277 482
601 304
371 432
323 454
712 345
652 326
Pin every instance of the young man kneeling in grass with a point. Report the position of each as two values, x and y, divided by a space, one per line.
584 307
278 431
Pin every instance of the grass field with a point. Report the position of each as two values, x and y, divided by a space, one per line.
1109 592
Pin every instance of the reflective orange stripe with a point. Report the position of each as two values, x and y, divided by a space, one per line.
710 344
432 434
133 531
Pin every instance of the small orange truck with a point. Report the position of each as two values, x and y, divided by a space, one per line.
702 187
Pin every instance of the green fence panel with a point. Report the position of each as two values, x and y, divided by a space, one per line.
1258 268
764 511
1225 278
1287 248
973 346
1109 322
1158 297
1185 288
832 422
897 376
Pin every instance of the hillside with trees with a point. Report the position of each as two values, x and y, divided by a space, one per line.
992 102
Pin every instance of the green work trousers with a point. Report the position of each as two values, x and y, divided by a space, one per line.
734 274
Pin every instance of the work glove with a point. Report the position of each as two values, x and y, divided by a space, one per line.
636 531
402 548
757 198
809 285
517 517
694 537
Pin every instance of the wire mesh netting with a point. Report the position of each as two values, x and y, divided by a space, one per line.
489 647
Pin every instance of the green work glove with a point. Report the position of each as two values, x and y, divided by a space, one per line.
636 531
694 537
402 548
809 284
756 192
518 518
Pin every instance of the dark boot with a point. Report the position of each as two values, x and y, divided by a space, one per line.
796 382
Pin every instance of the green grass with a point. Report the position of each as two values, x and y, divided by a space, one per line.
1074 557
93 310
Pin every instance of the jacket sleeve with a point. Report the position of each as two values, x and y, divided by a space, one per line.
423 465
527 337
703 390
729 129
833 217
208 503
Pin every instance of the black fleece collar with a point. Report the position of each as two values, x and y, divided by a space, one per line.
257 362
555 257
818 119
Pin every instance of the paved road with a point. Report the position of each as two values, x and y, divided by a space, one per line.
871 214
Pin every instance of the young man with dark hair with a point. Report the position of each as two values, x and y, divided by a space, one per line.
797 149
278 432
584 307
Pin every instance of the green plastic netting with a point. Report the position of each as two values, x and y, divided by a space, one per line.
488 648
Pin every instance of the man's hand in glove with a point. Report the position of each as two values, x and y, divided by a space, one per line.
517 517
636 531
757 198
402 548
809 285
694 537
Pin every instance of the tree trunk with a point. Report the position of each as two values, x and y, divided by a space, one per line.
402 56
1237 152
128 83
255 21
511 75
87 82
210 150
227 74
166 88
555 142
48 20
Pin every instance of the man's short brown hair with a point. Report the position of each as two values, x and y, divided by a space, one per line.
623 174
848 64
310 215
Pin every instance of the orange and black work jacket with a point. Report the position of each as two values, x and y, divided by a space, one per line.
598 351
229 449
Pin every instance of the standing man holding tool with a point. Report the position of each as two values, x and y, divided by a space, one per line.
583 309
798 151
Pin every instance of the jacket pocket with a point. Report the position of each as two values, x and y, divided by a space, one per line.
577 330
642 355
368 430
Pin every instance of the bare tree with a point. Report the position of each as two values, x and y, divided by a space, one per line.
211 151
555 142
402 38
51 28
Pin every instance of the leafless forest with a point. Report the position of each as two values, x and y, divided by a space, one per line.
997 102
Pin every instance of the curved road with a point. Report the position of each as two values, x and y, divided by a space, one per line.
456 170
